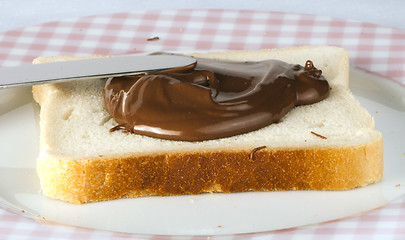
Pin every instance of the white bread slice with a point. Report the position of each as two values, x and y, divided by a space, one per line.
330 145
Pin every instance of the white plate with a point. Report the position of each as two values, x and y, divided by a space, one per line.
207 214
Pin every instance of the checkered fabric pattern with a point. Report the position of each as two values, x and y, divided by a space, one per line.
373 48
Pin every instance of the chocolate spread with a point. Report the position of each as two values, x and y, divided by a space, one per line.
211 99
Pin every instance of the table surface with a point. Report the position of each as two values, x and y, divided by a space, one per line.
14 14
17 14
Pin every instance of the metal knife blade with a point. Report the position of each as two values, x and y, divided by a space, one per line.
31 74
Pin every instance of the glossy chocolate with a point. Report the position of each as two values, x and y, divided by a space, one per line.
211 99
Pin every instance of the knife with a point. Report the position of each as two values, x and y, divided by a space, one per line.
31 74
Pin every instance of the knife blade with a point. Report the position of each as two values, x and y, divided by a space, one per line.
31 74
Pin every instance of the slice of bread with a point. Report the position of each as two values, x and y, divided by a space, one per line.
330 145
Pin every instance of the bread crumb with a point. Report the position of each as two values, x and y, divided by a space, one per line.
318 135
376 112
153 39
398 185
191 199
219 226
22 211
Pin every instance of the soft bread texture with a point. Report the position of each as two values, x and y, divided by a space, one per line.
330 145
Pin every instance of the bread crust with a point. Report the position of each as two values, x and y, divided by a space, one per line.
90 180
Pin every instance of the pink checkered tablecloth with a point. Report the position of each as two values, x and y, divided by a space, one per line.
373 48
